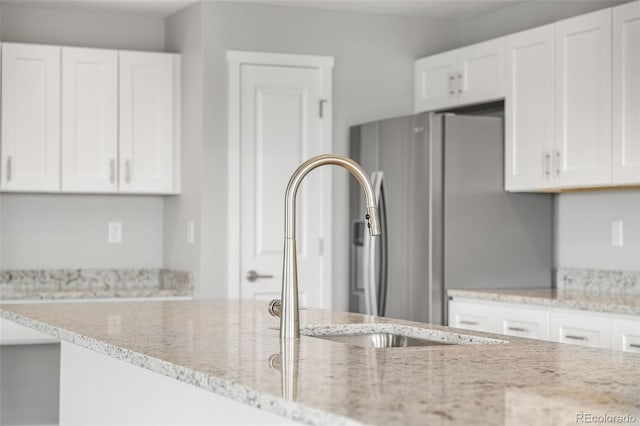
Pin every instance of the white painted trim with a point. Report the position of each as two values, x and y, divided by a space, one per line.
323 63
279 59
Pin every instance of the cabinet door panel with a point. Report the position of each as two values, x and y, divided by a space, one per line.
436 82
481 69
626 94
526 322
89 119
583 78
147 98
580 329
473 316
30 117
625 335
529 109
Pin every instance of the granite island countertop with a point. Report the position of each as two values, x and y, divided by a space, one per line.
609 302
226 348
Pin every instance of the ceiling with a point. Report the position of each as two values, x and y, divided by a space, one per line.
436 9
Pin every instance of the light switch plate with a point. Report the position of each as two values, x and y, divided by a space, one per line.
114 235
617 233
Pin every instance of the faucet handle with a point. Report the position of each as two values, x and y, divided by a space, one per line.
275 307
373 221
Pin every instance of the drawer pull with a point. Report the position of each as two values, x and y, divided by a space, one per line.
573 337
634 345
518 329
468 322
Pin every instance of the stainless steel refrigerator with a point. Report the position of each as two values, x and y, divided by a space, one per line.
447 221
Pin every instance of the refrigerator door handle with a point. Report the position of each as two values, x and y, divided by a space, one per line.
384 251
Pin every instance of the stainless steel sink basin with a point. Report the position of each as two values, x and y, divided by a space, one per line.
381 340
392 335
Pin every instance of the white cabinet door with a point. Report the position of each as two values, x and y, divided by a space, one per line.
436 82
580 329
89 119
148 103
626 94
528 322
529 109
625 335
473 316
30 117
583 108
481 72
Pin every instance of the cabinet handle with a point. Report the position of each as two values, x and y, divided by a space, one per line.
460 83
573 337
558 162
634 345
519 329
127 171
9 165
468 322
452 81
546 164
112 171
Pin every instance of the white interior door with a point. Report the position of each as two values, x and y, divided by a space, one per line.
280 127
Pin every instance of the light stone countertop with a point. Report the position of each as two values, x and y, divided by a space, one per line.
609 302
226 347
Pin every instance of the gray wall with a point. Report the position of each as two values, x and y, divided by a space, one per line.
184 35
525 15
70 231
583 230
26 24
373 79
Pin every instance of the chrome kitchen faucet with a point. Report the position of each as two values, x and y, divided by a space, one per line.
288 306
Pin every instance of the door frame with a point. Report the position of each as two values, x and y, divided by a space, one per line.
324 64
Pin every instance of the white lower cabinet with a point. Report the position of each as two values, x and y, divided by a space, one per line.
594 329
580 329
96 389
625 335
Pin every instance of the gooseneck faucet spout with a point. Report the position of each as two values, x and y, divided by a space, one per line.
289 323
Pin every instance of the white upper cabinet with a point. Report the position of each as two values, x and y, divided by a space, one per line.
481 72
30 118
89 120
436 81
464 76
583 101
626 94
529 109
148 102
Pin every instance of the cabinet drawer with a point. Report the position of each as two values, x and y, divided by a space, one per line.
625 335
472 316
523 322
579 329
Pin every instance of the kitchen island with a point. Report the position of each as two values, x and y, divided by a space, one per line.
232 349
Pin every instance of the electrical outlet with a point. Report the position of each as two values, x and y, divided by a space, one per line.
114 235
617 233
191 232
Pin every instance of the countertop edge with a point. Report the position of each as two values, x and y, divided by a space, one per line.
225 388
489 296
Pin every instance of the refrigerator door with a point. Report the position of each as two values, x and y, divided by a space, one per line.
493 239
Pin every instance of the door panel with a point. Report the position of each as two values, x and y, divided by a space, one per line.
482 72
626 94
280 129
435 82
146 122
89 119
529 109
30 117
583 124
